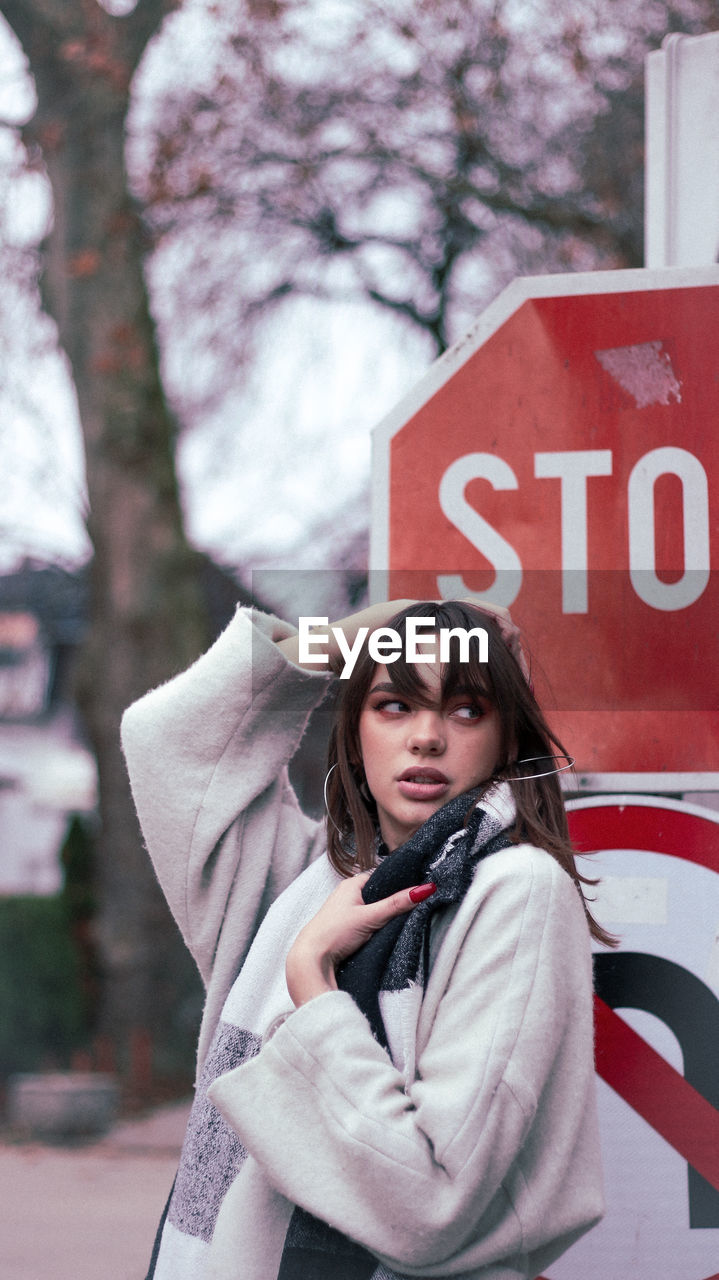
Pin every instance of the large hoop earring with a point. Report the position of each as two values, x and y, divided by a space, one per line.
529 777
324 793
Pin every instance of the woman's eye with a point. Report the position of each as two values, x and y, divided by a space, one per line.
468 711
392 705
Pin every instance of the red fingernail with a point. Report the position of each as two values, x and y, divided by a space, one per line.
422 891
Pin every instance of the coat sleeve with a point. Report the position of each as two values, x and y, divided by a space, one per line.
492 1150
207 756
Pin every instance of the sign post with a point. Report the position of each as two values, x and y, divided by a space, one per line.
563 459
682 144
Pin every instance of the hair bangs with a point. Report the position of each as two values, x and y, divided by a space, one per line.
462 670
468 675
406 677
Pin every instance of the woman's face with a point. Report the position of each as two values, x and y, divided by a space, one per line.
416 757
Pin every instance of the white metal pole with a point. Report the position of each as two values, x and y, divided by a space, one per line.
682 152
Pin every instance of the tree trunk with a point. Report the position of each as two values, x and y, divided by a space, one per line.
147 618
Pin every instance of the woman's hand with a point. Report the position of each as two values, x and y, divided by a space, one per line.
509 630
378 615
342 925
373 617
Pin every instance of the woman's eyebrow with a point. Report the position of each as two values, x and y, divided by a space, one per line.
385 687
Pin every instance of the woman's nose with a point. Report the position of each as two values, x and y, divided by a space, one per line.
426 733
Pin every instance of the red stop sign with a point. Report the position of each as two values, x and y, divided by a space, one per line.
563 459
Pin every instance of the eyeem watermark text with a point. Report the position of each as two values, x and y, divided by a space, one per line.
385 644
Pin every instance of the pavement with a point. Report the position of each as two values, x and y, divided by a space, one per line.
88 1212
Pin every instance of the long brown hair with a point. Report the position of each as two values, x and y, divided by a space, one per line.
541 817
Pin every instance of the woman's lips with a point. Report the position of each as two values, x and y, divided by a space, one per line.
422 784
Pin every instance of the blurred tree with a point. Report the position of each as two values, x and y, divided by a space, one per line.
147 619
33 376
416 154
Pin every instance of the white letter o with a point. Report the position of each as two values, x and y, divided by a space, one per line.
642 549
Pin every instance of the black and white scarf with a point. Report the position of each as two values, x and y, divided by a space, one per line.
392 967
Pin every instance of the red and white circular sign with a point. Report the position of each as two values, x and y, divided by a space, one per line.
657 1039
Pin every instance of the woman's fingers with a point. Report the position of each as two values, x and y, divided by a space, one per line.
405 899
509 630
325 645
397 904
502 616
422 891
346 921
341 926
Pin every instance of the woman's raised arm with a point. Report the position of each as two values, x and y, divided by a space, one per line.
207 755
330 643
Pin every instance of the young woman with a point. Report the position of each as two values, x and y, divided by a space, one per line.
395 1072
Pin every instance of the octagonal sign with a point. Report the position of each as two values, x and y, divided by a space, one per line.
563 459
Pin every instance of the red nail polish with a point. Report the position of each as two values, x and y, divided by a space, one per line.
422 891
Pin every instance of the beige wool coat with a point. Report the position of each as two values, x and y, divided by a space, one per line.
484 1165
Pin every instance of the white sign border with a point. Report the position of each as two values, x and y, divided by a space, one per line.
618 799
583 783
